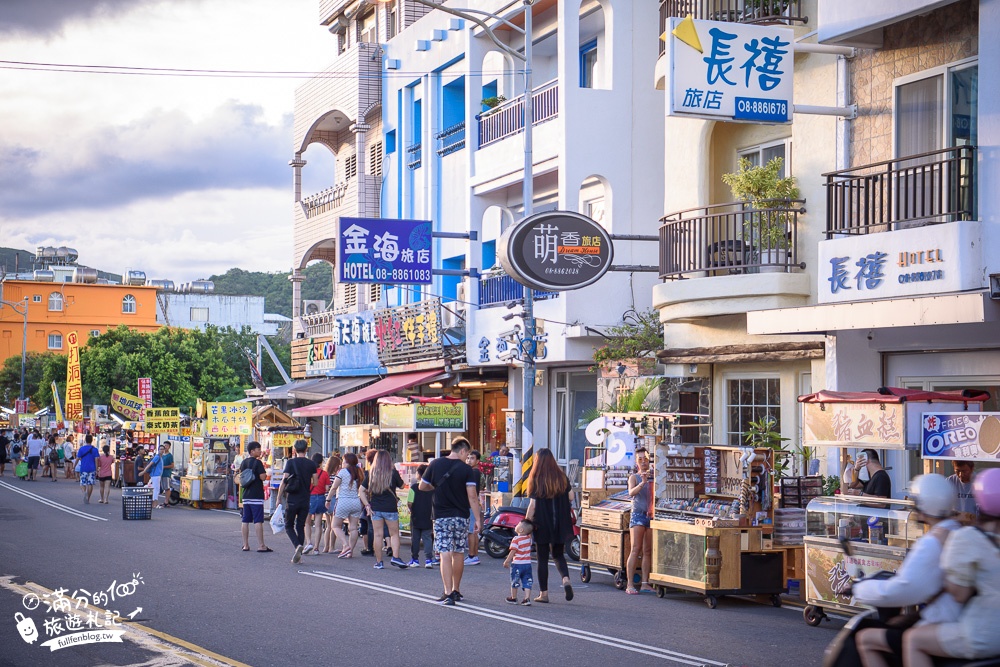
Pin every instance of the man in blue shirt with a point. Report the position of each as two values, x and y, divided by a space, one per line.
155 470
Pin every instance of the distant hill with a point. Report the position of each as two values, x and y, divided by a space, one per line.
275 287
13 260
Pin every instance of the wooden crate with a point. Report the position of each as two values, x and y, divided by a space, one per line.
599 518
604 547
591 498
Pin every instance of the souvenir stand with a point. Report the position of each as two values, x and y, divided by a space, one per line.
883 529
419 414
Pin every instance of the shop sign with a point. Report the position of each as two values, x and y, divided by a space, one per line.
829 572
730 71
356 436
410 333
322 355
397 418
440 417
878 425
21 406
228 419
74 386
287 439
162 420
146 391
380 250
128 406
970 436
556 251
906 262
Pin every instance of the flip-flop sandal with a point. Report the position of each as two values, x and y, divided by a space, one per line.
541 601
265 550
569 592
631 591
245 549
345 554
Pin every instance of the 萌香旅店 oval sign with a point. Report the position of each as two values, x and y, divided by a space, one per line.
556 251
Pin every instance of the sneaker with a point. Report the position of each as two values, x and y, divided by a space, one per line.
367 552
413 563
298 554
429 564
458 596
526 602
398 563
472 560
445 599
435 561
308 548
511 600
379 565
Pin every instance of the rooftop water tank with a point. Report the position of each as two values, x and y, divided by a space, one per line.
62 253
202 286
45 252
134 278
72 255
82 274
162 285
44 276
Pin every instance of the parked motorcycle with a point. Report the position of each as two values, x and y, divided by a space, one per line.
498 531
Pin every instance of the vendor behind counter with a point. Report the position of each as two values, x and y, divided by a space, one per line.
878 484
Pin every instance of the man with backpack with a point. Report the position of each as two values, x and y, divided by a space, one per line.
298 477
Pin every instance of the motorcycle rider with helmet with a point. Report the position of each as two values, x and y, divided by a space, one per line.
919 579
971 563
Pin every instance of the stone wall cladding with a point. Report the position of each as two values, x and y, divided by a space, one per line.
935 39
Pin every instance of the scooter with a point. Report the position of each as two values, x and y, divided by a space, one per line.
498 531
843 651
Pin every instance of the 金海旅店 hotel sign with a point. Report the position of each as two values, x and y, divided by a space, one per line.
556 251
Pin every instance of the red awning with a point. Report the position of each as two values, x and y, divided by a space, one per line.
381 388
406 400
897 395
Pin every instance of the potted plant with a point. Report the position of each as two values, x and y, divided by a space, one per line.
759 9
490 104
631 346
769 197
762 433
634 399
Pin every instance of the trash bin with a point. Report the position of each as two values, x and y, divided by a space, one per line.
137 502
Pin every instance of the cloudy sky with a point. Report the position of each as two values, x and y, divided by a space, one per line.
181 177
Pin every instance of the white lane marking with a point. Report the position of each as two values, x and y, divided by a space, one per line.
51 503
613 642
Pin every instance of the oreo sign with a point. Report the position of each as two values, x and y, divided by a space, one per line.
973 436
556 251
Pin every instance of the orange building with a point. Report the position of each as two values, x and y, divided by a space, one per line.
55 309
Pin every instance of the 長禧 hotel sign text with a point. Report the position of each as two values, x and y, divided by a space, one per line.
936 259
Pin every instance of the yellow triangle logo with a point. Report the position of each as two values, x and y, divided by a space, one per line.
687 33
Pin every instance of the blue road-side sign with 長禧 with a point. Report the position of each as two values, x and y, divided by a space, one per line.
380 250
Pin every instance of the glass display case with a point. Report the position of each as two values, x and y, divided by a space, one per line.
880 531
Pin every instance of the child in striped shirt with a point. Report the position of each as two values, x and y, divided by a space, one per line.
519 561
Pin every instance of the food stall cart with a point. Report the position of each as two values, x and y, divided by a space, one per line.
890 418
208 478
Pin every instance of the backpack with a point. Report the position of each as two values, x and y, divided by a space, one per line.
16 449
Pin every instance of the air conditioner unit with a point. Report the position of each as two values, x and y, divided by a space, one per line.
313 306
449 319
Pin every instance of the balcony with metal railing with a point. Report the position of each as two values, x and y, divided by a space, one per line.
502 289
733 11
507 119
730 239
452 139
414 156
912 191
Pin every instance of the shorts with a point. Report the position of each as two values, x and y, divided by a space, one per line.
451 534
638 520
104 479
348 508
88 478
253 511
386 516
520 576
33 462
317 503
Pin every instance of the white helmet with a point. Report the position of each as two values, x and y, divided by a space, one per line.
934 495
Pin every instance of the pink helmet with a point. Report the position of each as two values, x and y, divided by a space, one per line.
986 489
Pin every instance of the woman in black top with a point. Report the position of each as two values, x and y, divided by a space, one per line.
378 495
550 512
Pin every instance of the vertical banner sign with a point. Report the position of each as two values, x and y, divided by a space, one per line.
228 419
21 406
57 402
74 384
380 250
146 391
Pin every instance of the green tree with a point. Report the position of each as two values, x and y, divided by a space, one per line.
40 369
275 287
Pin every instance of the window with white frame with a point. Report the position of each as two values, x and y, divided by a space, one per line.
55 301
390 20
761 154
368 28
94 333
36 298
750 399
55 340
128 304
199 314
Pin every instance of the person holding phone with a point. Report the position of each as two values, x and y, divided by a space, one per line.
877 484
641 490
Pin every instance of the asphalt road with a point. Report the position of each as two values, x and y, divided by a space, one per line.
204 601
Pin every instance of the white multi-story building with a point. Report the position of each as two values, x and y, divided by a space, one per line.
905 284
196 311
427 145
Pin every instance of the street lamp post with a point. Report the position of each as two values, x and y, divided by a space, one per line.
528 196
22 310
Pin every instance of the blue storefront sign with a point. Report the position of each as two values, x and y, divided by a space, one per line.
380 250
351 349
966 436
